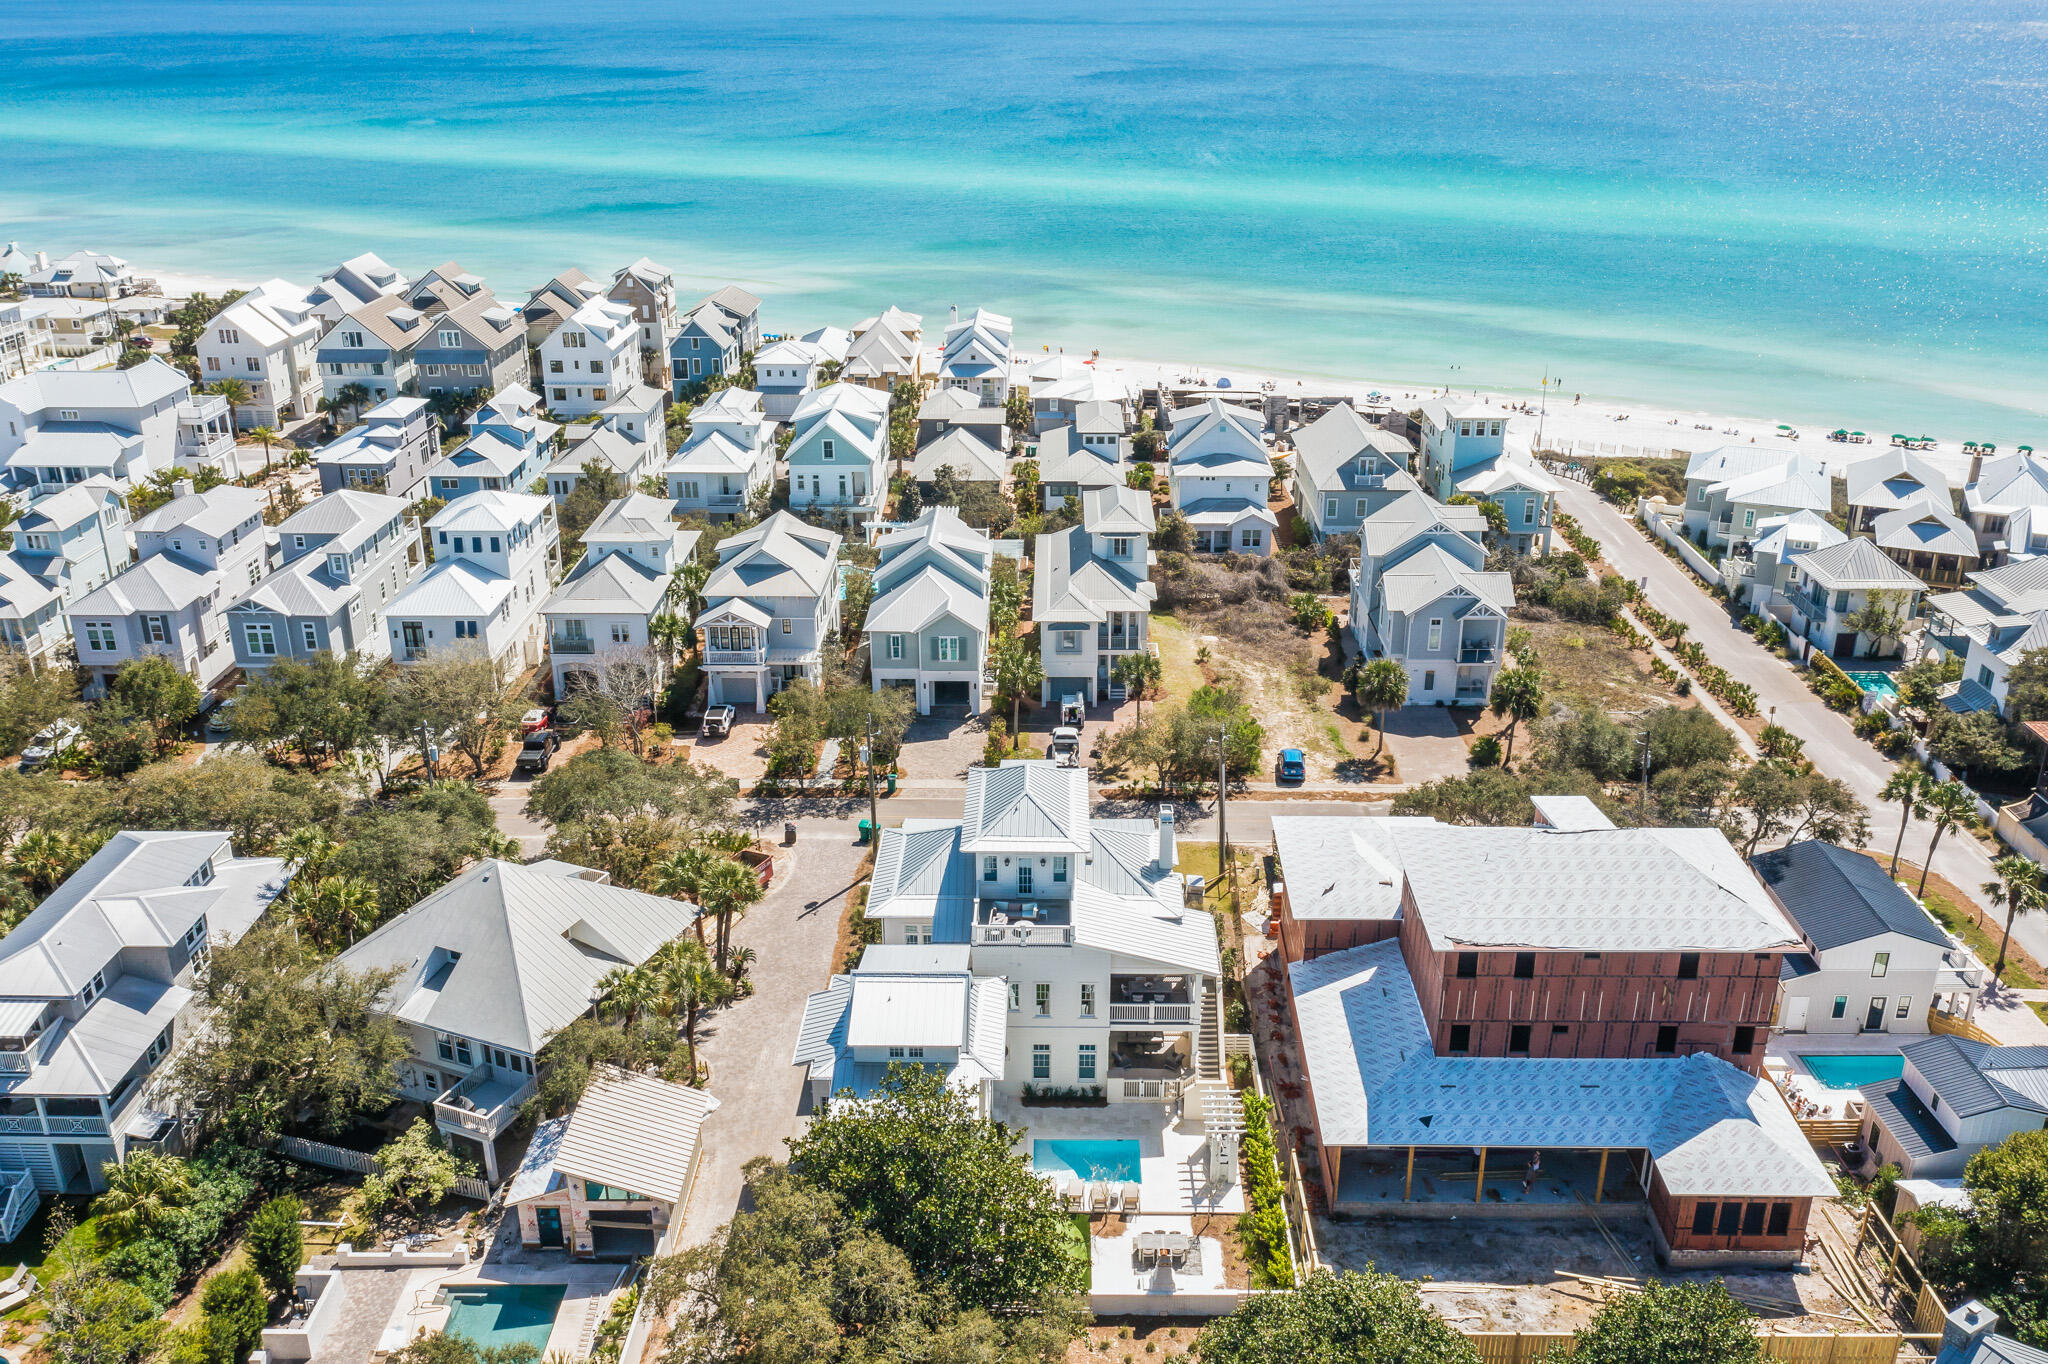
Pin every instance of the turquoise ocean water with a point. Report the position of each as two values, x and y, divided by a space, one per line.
1807 210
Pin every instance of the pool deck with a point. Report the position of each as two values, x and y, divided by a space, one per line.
1173 1157
589 1292
1834 1103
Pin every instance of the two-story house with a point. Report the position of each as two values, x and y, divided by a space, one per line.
963 452
96 989
785 372
2006 500
1760 574
491 966
976 355
1071 464
1997 621
729 456
1958 1096
509 445
1730 489
388 451
769 606
479 343
837 451
353 283
1112 982
65 545
1345 469
1497 1017
960 409
496 554
82 274
1421 595
269 338
886 350
1219 475
650 291
346 556
1829 586
1926 538
609 599
742 313
906 1005
194 554
1527 496
590 359
555 302
372 348
1454 435
1874 960
704 349
602 448
59 427
927 627
1092 594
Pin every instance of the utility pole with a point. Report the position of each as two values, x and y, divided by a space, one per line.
1222 790
867 757
1643 809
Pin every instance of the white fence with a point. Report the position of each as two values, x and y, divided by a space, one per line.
356 1162
1661 526
1217 1303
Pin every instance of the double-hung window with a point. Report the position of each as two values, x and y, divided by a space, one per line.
988 868
1041 1060
1087 999
896 656
310 634
262 638
1084 1061
1041 995
1024 878
1059 869
453 1048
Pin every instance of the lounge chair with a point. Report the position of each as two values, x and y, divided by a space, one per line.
1076 1192
1128 1196
1113 1194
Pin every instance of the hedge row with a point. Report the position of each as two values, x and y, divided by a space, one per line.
1263 1228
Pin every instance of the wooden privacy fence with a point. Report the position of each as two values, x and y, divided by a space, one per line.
1511 1347
1938 1022
356 1162
1831 1131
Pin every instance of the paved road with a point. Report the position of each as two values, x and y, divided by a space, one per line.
1783 696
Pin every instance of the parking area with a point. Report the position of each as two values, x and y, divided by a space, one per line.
939 747
1427 743
741 754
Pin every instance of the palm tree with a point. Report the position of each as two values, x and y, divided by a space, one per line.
310 848
668 631
2019 884
341 905
354 396
1517 694
141 1191
235 393
268 436
724 890
1383 686
332 408
1905 787
687 983
42 859
1136 673
1018 670
1948 805
627 992
687 582
677 876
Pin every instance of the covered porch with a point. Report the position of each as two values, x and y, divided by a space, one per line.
1442 1181
480 1107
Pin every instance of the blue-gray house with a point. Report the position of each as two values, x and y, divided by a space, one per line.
704 348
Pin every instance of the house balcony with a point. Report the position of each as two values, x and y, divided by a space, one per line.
15 1063
735 658
1151 1000
483 1103
572 644
1477 651
1024 923
1125 641
725 501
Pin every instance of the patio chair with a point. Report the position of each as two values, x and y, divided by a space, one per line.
1128 1195
1076 1192
1114 1195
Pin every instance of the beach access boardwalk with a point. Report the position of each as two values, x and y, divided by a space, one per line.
1782 695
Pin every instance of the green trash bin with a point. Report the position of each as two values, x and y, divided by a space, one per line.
867 830
890 790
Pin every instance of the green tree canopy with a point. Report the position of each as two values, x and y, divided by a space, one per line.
1683 1323
277 1244
917 1164
414 1172
157 692
1349 1318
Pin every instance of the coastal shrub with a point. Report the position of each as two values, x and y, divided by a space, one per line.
1485 751
225 1181
1262 1230
1871 725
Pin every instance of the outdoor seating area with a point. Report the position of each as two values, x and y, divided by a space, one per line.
1156 1255
1100 1195
1096 1147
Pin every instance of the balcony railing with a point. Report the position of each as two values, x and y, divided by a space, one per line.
1116 639
15 1063
569 644
23 1124
484 1102
68 1127
723 500
1476 653
714 657
1024 935
1151 1013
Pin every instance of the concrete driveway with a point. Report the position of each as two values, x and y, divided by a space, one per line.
1782 696
1426 744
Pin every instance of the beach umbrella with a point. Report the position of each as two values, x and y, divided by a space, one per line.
1838 431
1783 427
2026 449
1988 448
1855 433
1897 436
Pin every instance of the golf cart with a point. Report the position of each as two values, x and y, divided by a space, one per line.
1066 746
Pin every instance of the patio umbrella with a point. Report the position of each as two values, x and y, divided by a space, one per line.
2026 449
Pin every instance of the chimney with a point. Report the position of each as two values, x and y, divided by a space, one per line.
183 488
1967 1325
1976 467
42 260
953 314
1168 854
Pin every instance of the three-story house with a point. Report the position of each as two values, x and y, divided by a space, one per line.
590 359
345 558
1092 594
927 626
496 554
769 607
607 603
837 451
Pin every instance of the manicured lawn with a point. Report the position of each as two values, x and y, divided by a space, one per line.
1984 944
1076 1241
1199 859
80 1246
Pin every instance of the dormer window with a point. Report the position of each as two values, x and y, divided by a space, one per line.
195 936
203 876
94 988
337 564
1120 547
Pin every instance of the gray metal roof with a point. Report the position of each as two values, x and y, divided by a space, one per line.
1069 583
1712 1130
1026 805
1117 510
1431 573
1837 896
1330 445
965 453
510 955
92 1055
614 584
1918 1132
781 557
634 1132
1062 458
1975 1077
1415 514
1893 478
217 511
1927 525
1853 564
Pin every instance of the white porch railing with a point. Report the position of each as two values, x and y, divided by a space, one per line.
479 1121
18 1202
1151 1013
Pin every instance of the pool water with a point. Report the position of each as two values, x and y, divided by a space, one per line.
1876 683
1117 1160
505 1313
1854 1072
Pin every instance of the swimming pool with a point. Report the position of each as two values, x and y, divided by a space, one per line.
1854 1072
1117 1160
1876 683
505 1313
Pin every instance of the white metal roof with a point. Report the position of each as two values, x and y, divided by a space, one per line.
634 1132
1026 805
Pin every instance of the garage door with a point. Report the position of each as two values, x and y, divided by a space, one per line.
734 691
949 694
621 1243
1060 688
